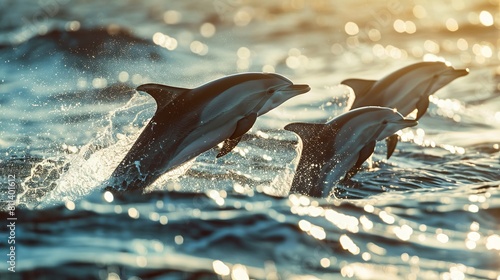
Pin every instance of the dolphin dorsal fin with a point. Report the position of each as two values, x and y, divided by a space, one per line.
359 86
161 93
306 131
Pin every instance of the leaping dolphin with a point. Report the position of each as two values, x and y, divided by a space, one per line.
406 89
189 122
334 151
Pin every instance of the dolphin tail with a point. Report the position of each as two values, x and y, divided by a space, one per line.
161 93
392 142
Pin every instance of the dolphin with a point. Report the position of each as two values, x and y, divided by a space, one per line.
189 122
334 151
406 89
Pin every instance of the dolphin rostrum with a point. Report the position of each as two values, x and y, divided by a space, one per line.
406 89
189 122
334 151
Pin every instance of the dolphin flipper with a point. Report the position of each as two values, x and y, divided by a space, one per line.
364 154
242 127
391 141
359 86
228 146
161 93
422 105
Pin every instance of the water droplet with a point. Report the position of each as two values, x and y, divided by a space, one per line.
239 272
220 268
242 17
451 24
399 26
243 53
172 17
207 30
419 11
123 76
70 205
325 262
443 238
133 213
108 196
141 261
486 18
179 240
351 28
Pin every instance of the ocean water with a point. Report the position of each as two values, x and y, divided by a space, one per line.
69 113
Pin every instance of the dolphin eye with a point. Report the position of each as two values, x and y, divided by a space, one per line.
384 122
271 90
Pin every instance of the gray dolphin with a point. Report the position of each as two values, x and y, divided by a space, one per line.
406 89
334 151
189 122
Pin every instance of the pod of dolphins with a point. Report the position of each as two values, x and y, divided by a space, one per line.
189 122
